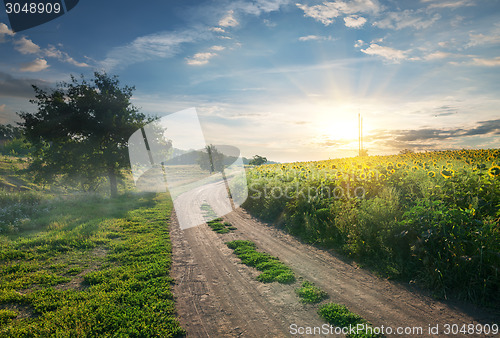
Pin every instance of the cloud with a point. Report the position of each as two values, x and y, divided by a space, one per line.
11 86
406 19
4 30
228 20
387 53
354 21
258 7
323 13
486 62
153 46
449 4
62 56
34 66
481 39
26 46
217 30
328 11
359 44
438 55
422 137
200 59
315 38
217 48
2 108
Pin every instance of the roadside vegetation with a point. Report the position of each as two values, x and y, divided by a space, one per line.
217 224
309 293
85 265
272 269
340 316
430 218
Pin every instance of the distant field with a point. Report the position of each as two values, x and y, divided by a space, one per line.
429 218
84 265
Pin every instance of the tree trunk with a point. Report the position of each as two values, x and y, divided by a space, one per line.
112 184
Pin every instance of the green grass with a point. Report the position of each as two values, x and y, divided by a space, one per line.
340 316
115 252
216 224
272 269
309 293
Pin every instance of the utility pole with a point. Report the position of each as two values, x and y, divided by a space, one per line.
359 134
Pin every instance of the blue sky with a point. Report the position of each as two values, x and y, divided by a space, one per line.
283 79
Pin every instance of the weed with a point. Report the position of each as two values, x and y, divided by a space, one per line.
309 293
340 316
272 269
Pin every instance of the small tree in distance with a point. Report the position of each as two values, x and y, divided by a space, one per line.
80 131
257 160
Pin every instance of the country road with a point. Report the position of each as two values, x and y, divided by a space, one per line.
217 296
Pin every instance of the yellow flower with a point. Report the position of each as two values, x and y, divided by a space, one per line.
447 173
494 171
431 174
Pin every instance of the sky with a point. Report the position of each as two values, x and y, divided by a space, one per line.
282 79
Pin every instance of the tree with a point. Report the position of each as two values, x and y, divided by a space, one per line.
406 151
80 130
211 159
257 160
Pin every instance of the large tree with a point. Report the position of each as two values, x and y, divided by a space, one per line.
80 130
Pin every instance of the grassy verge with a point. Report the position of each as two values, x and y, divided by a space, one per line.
90 267
272 269
340 316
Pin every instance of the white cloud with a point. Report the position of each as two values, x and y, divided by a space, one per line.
405 19
228 20
328 11
153 46
387 53
258 7
2 108
35 66
62 56
449 4
359 44
438 55
315 38
26 46
4 30
217 48
486 62
481 39
323 13
199 59
269 23
217 29
354 21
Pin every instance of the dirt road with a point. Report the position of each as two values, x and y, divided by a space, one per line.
217 296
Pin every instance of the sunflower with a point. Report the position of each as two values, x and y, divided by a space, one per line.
447 173
431 174
494 171
362 176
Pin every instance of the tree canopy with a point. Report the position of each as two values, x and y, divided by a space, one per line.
80 130
257 160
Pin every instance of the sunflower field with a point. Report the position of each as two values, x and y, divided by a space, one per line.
429 218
